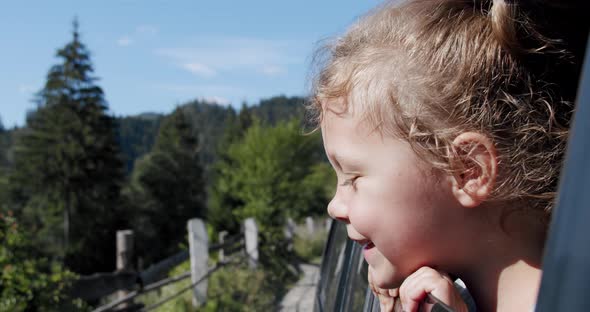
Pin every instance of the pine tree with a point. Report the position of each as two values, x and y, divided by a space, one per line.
222 199
167 189
67 164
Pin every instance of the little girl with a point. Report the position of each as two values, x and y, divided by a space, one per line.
446 123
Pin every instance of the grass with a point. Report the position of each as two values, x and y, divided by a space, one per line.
236 287
310 246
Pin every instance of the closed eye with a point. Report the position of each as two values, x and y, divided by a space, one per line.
348 182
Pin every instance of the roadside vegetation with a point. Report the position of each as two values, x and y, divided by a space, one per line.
73 175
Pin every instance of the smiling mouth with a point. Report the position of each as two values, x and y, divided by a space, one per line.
365 243
368 245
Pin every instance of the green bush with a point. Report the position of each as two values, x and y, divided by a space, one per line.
238 288
308 247
182 303
29 282
231 288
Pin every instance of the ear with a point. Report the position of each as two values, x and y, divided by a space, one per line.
476 164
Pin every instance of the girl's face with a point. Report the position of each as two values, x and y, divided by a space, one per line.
392 202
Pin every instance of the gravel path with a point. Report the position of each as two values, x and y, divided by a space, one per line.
301 297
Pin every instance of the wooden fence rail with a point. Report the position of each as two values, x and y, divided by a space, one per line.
128 284
132 295
129 298
98 285
156 271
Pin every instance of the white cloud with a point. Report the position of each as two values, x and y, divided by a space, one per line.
199 69
124 41
265 57
216 100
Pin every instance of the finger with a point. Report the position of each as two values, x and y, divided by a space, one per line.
393 292
398 306
423 278
386 303
387 297
433 285
410 291
433 304
416 287
446 276
383 291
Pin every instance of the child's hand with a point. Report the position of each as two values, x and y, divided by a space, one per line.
416 287
387 297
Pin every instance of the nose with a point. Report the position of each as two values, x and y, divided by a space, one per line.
337 209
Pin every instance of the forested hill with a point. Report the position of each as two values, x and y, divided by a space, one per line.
279 108
137 133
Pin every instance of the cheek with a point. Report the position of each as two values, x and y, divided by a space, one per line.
387 200
365 205
394 216
373 209
364 219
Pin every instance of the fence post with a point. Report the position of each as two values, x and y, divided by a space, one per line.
251 236
199 255
221 239
124 258
310 225
290 233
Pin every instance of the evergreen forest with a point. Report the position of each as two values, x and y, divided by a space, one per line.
74 174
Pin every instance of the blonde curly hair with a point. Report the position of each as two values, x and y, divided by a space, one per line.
428 70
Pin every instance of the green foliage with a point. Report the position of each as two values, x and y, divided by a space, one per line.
136 136
231 288
166 189
242 289
222 199
27 282
3 191
209 122
271 173
67 170
6 138
279 109
182 303
316 189
275 167
309 247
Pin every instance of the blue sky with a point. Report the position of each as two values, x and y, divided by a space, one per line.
153 55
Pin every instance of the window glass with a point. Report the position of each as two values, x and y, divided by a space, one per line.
357 281
333 262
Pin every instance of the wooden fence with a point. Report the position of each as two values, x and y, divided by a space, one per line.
128 284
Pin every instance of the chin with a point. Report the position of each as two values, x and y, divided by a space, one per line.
386 279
